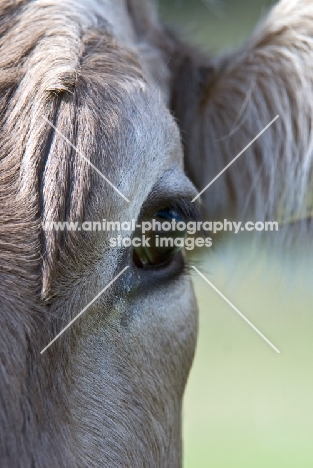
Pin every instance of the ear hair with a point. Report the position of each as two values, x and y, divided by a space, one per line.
188 87
221 105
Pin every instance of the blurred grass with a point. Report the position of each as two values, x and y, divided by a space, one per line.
245 405
214 24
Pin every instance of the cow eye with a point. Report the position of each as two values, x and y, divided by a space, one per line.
166 238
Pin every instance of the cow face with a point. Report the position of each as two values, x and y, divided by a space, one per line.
84 123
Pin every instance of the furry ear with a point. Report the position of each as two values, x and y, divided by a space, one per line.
191 80
221 106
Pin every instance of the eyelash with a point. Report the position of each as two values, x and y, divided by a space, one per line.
186 209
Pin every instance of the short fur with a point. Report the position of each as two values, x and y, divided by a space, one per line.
109 391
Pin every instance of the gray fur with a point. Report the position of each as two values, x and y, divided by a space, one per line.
109 392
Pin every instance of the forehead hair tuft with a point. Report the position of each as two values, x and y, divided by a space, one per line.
80 80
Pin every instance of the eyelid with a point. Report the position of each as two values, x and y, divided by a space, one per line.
173 190
186 209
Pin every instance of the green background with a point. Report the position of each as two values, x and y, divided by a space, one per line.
247 406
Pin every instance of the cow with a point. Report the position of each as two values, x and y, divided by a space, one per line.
106 114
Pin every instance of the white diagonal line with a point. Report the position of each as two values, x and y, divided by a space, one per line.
236 310
238 155
84 310
157 84
86 159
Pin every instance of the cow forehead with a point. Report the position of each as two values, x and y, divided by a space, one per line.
129 137
72 67
58 27
123 134
87 63
145 144
91 87
86 13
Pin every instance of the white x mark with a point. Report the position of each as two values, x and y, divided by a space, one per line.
236 310
84 157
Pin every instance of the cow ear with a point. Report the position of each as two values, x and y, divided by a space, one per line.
188 87
223 104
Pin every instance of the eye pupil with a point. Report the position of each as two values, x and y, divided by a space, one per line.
164 242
